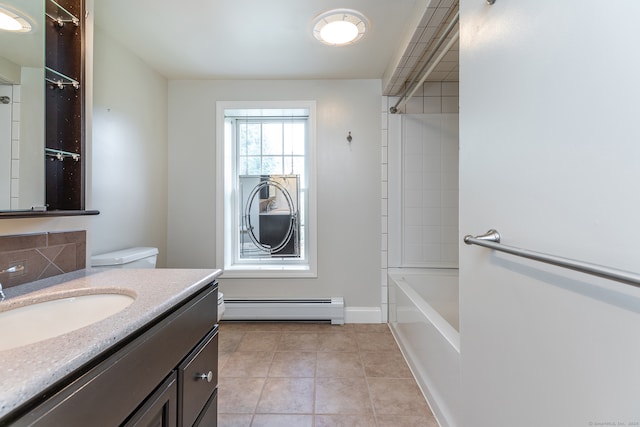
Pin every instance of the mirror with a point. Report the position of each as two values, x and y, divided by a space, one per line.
22 109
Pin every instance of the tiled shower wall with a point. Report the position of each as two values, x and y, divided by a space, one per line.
15 148
433 98
42 255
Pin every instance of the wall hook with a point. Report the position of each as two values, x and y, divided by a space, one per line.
349 138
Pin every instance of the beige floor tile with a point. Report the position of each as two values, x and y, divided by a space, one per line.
239 395
385 364
259 341
376 341
286 396
342 396
346 421
298 341
397 397
247 364
293 364
337 342
397 421
367 327
339 365
234 420
273 420
229 340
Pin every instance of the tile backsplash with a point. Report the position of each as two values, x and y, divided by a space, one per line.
42 255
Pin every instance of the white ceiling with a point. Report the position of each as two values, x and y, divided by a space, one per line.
253 39
272 39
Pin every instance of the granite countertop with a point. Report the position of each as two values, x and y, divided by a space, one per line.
25 371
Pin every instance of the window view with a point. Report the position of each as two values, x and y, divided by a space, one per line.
267 154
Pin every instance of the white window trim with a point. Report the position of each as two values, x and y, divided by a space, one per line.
225 202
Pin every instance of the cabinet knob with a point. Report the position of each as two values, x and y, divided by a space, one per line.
208 376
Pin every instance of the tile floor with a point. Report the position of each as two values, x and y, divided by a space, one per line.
306 375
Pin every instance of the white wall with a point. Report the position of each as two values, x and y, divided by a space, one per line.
348 184
549 156
129 167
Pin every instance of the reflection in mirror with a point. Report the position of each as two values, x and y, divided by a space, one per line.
22 106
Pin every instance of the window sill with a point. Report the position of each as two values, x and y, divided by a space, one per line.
269 271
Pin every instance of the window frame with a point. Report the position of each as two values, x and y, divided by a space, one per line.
226 198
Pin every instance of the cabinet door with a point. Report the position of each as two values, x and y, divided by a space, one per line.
198 376
160 409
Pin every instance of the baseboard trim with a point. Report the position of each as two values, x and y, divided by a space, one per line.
362 315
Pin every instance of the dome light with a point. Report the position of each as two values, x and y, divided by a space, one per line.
11 20
340 27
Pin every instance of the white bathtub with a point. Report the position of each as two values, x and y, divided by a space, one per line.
424 318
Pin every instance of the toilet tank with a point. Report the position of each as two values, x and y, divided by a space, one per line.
140 257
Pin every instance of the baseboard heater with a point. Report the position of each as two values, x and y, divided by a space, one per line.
286 309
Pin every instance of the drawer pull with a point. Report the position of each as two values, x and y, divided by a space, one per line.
208 376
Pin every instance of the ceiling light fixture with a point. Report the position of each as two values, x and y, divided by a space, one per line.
340 27
14 21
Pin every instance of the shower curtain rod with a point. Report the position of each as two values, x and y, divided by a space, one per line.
491 240
406 96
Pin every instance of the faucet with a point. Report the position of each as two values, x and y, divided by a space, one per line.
13 269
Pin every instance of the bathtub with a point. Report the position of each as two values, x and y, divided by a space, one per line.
424 319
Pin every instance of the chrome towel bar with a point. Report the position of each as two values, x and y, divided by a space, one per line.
491 239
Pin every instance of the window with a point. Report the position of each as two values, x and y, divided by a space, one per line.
266 189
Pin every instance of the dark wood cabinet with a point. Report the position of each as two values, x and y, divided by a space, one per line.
160 409
164 375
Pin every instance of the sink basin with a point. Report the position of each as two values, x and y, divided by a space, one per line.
42 320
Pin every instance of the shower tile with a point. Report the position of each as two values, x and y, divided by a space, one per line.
431 253
430 181
432 105
450 89
431 216
432 89
414 106
450 104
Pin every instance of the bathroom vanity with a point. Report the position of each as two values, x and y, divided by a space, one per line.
152 363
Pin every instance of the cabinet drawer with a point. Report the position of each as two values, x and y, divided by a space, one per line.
209 415
198 376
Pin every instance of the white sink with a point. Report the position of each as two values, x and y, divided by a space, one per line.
42 320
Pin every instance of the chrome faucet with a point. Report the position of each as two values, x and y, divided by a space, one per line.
13 269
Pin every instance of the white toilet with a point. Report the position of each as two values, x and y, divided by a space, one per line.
140 257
